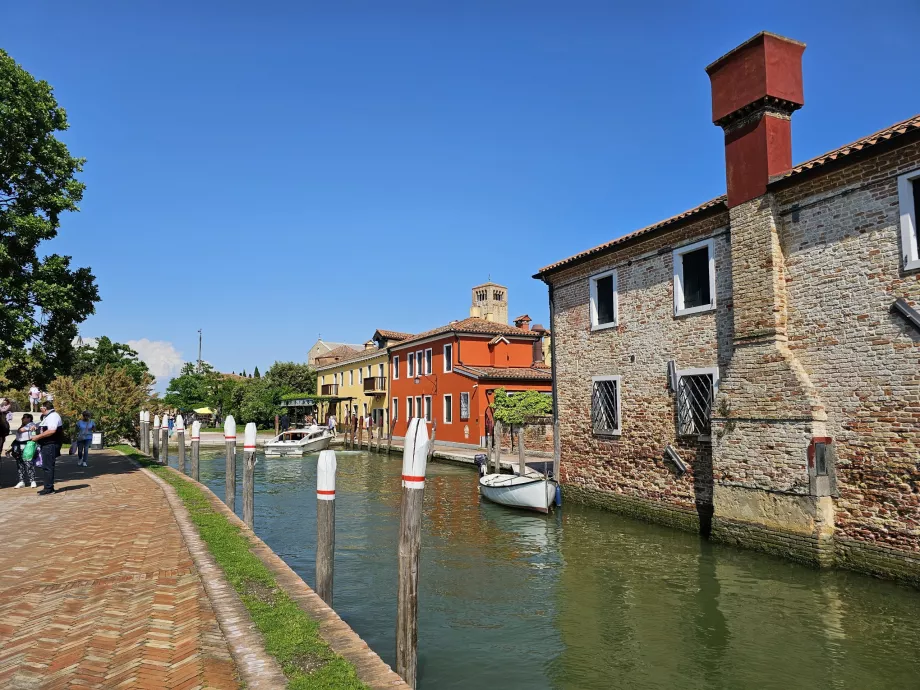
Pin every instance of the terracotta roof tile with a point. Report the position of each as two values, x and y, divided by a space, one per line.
538 374
393 335
472 325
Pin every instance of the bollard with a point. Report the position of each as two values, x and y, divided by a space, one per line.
434 431
140 432
156 438
249 466
164 441
379 432
415 457
196 443
497 440
522 462
180 439
325 524
230 442
147 432
360 433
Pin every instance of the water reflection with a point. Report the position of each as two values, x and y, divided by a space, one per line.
581 598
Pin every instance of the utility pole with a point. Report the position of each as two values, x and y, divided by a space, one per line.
199 350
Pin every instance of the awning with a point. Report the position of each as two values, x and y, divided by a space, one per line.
204 410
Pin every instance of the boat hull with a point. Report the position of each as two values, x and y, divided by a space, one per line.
296 450
527 493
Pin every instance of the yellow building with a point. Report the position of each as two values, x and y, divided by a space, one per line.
358 379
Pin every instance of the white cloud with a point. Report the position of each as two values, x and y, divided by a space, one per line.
161 357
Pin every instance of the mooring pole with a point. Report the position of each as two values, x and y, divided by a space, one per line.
522 462
230 443
164 441
325 524
389 433
140 432
277 425
156 438
147 432
434 432
360 433
196 444
180 439
497 440
415 462
249 466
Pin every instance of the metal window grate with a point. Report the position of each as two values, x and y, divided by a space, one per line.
694 404
604 409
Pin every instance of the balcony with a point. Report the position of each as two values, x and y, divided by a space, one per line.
375 385
330 389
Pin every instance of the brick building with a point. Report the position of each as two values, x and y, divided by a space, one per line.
750 368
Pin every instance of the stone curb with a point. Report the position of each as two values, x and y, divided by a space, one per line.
257 667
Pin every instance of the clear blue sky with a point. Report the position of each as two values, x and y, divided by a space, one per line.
270 170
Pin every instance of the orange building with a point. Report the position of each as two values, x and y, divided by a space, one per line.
450 374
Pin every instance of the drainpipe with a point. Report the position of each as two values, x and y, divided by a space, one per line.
557 442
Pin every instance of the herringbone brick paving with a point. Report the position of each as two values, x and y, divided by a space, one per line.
98 589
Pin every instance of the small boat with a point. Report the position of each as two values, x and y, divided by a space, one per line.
531 491
299 441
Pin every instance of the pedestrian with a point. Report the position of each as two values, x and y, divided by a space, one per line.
285 422
34 396
6 414
331 424
26 468
85 429
49 440
172 420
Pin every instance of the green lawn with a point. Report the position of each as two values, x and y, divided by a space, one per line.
290 635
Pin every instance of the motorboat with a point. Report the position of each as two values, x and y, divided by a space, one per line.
530 491
299 441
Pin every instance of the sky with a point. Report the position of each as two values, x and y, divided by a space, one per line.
273 171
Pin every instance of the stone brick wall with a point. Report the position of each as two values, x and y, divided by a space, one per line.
538 438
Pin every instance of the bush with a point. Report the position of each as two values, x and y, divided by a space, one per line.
515 409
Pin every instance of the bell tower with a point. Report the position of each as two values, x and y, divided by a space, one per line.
490 302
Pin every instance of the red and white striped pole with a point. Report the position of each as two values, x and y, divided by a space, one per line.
325 524
196 448
180 439
249 466
230 443
156 438
415 464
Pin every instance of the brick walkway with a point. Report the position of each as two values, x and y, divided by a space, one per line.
98 588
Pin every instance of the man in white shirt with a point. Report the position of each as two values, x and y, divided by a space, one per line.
34 396
49 442
332 424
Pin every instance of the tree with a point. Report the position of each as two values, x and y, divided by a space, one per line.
190 389
111 394
292 377
90 359
256 374
514 409
41 299
259 402
244 373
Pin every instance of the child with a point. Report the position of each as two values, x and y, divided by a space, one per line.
26 467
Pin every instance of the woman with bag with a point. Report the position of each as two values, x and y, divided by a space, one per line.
85 429
24 451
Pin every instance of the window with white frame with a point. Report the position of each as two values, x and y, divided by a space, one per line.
369 374
395 367
909 202
410 365
696 389
694 278
448 358
322 380
360 375
418 405
427 408
419 363
448 408
351 377
380 370
409 414
394 410
464 406
604 308
428 361
605 405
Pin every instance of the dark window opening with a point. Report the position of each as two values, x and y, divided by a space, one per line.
605 418
604 288
696 278
916 189
694 405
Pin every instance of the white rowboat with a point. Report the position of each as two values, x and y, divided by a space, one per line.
531 491
298 442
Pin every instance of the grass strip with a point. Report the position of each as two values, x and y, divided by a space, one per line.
291 636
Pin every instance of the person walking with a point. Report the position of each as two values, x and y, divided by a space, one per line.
172 420
49 440
34 396
25 468
331 423
285 422
85 428
6 414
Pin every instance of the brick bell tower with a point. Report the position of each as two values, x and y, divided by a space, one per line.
768 414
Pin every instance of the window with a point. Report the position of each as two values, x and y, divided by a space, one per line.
322 380
394 410
380 370
409 414
604 300
418 406
694 278
909 198
427 408
365 409
448 358
695 394
360 375
419 363
395 367
448 409
464 406
428 361
605 405
369 374
351 377
410 365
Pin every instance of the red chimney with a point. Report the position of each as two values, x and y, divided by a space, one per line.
755 89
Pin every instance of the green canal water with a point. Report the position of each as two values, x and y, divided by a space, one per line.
582 598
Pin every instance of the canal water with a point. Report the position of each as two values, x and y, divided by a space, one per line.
581 598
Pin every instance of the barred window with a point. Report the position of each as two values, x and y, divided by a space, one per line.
464 406
605 405
695 395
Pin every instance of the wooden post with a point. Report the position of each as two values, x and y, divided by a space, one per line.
415 455
164 442
230 443
522 462
249 466
147 432
389 432
277 425
196 444
497 440
379 432
434 432
360 432
180 439
140 433
156 438
325 524
557 450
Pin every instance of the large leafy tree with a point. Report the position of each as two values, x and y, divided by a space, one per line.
292 377
515 409
42 299
93 358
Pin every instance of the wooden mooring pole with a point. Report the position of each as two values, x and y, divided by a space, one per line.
415 462
379 431
389 433
522 462
196 447
360 433
497 440
180 439
147 432
230 443
249 467
156 438
325 524
164 441
434 432
140 433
